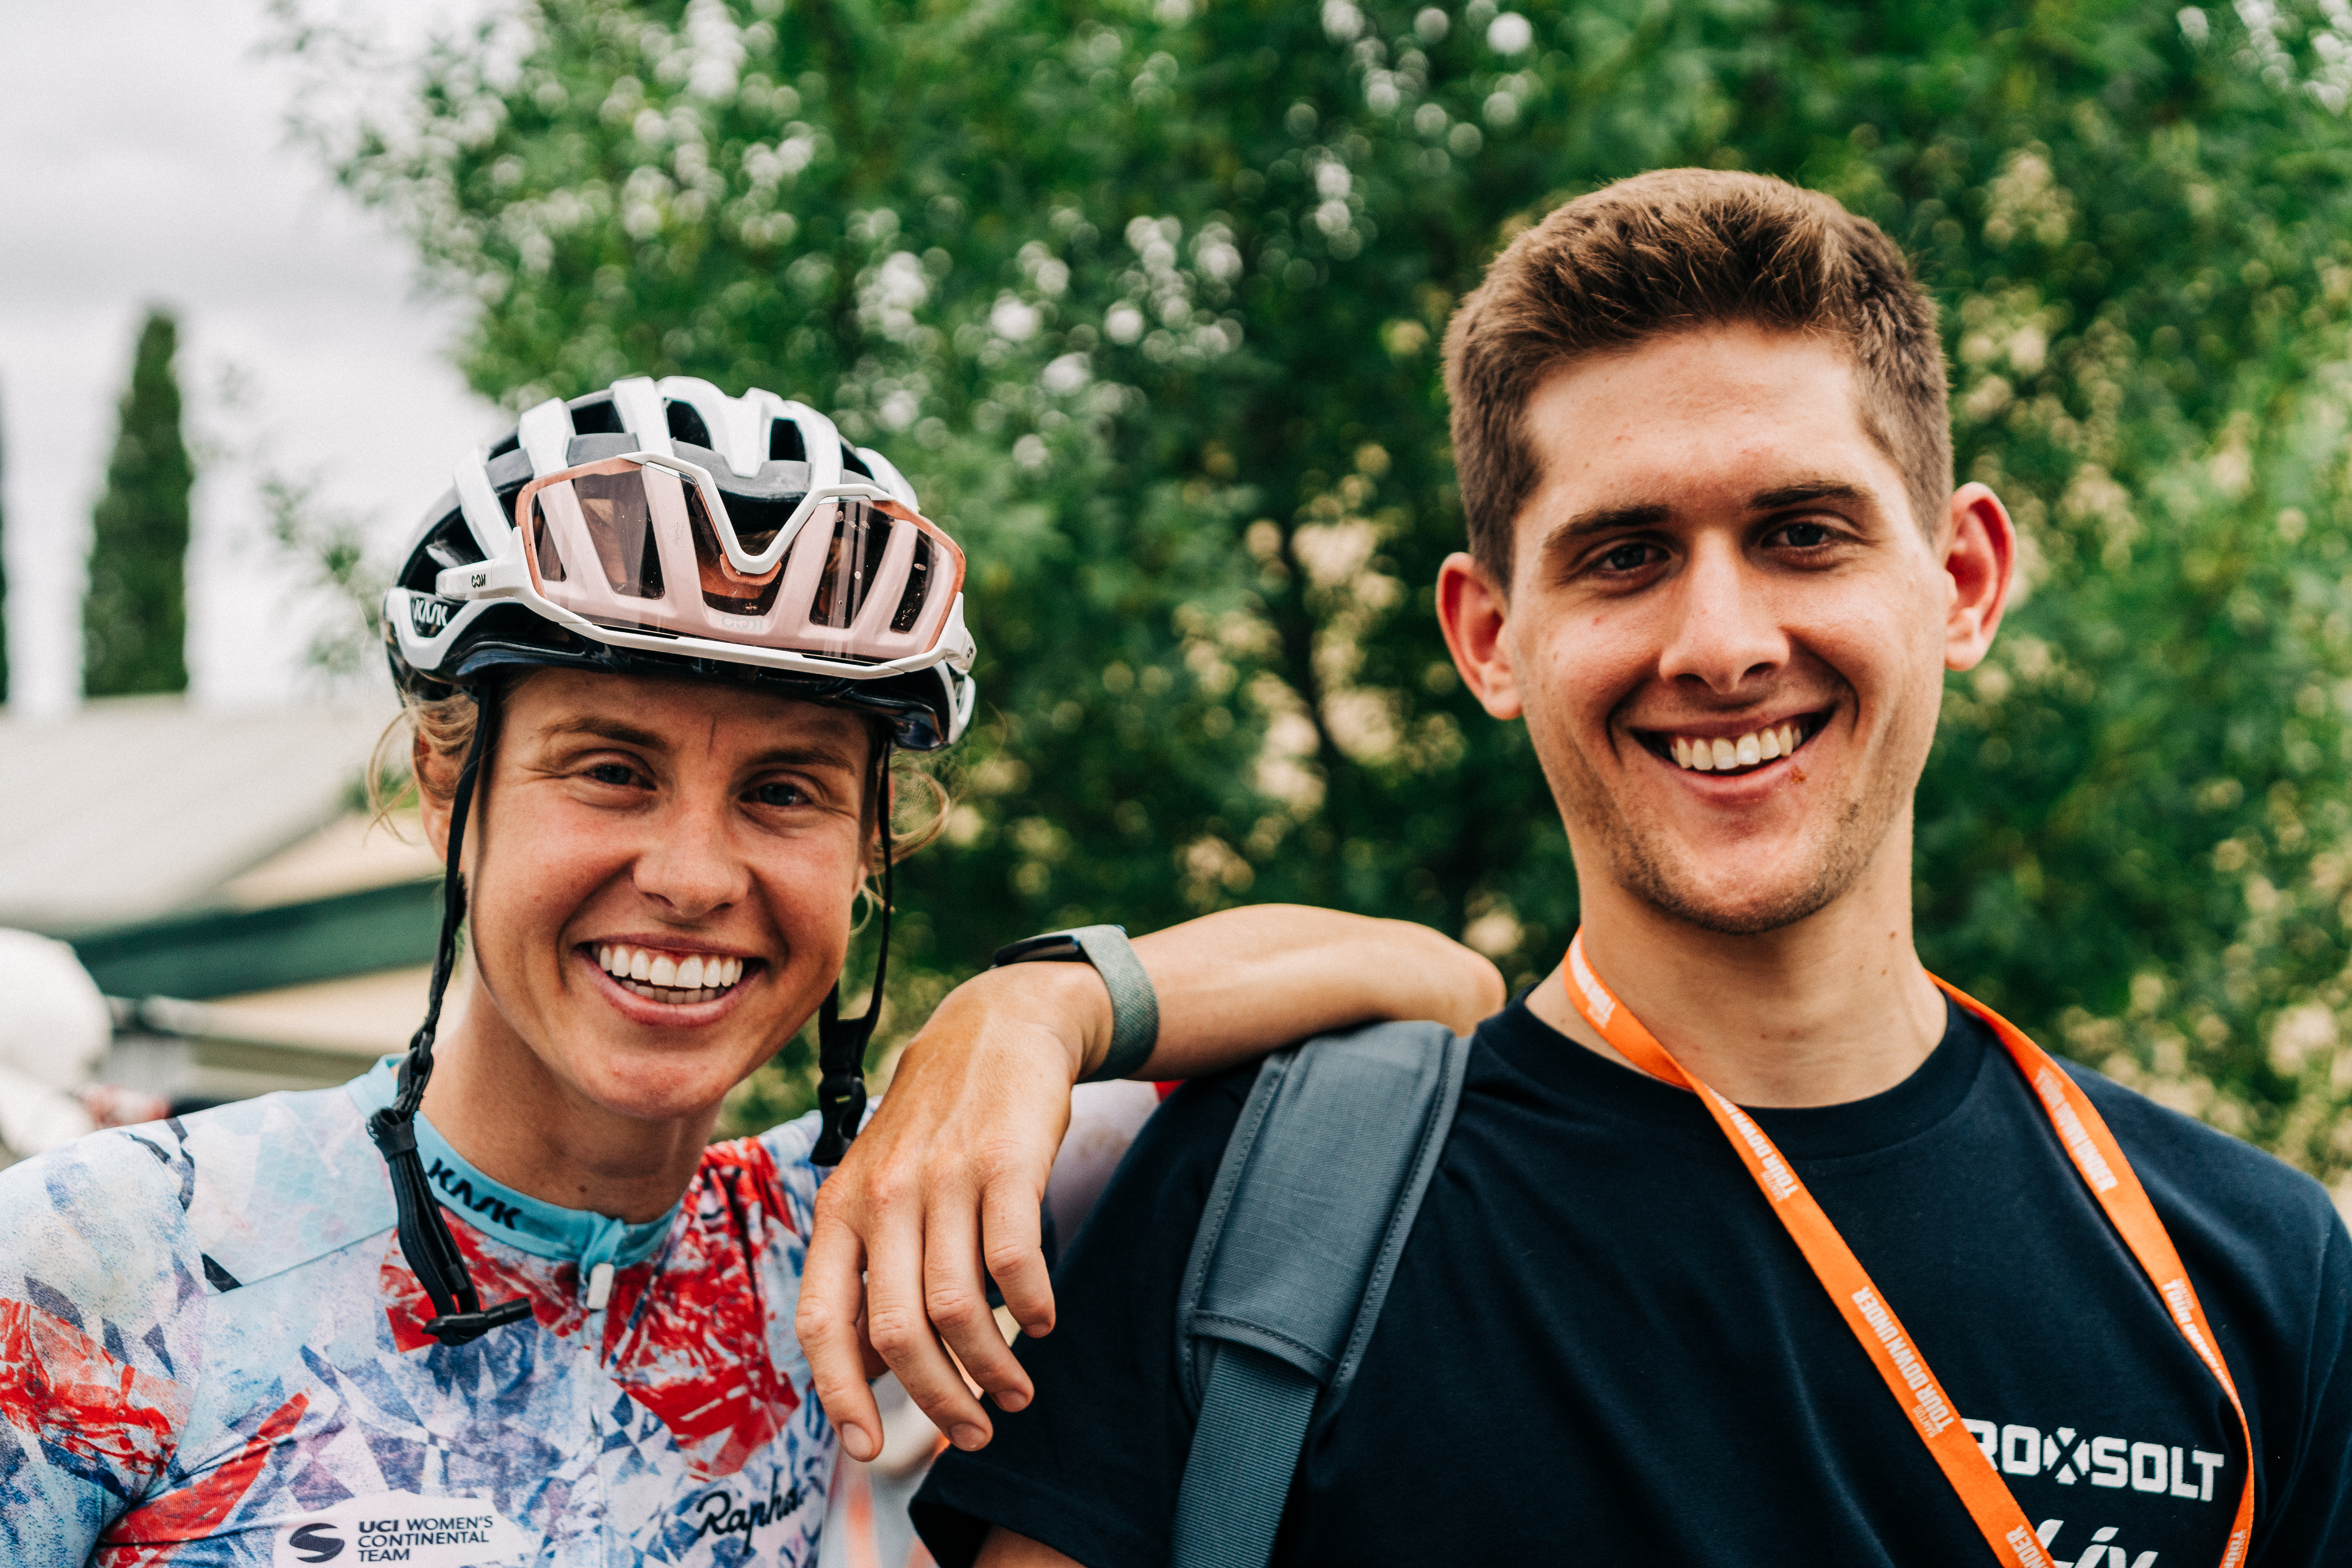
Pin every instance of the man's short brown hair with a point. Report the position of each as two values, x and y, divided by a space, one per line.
1666 252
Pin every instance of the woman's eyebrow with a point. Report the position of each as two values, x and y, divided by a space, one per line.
604 729
805 752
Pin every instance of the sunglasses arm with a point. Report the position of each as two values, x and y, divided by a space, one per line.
505 577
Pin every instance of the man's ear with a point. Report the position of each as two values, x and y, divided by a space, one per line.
432 809
1979 560
1472 609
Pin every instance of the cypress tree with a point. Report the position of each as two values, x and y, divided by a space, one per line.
134 621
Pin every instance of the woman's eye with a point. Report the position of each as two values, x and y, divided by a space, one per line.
780 794
615 773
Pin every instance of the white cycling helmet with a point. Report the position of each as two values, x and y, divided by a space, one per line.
664 528
668 529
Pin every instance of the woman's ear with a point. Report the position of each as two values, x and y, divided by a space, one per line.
432 804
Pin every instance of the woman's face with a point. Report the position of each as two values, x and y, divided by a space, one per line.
661 875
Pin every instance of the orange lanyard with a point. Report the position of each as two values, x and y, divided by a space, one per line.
1883 1337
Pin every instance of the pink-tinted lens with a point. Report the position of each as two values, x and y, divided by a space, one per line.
614 514
723 587
636 547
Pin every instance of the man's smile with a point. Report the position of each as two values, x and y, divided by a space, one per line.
1736 747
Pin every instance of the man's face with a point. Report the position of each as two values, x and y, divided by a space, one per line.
1718 564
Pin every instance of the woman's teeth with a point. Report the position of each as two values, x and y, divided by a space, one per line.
668 976
1707 756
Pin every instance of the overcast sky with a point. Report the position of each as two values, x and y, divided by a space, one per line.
143 157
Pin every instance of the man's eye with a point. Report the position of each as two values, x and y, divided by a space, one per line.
780 794
616 773
1805 535
1626 558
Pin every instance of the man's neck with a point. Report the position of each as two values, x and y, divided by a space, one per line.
1832 1009
520 1124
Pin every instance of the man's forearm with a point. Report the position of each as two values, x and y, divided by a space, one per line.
1238 984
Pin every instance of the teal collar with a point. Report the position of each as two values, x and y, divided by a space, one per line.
539 1228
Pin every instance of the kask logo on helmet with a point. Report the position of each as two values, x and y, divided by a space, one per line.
429 613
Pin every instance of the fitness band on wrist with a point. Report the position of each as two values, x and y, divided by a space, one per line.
1134 1005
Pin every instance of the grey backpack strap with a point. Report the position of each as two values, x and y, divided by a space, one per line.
1312 1203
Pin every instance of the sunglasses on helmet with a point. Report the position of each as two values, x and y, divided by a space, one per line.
644 542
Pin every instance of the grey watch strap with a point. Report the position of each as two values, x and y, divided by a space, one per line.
1134 1005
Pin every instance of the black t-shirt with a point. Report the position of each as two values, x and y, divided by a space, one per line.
1600 1347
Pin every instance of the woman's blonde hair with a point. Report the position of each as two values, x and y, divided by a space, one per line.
919 802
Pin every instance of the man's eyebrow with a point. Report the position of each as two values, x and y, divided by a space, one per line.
1606 520
1780 497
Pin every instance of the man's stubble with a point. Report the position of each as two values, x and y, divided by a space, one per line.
1639 859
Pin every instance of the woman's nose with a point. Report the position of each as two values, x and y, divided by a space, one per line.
689 866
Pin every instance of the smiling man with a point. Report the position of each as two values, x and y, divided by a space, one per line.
1750 1244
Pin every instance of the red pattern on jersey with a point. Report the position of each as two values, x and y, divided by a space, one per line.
552 1289
154 1533
61 1387
698 1356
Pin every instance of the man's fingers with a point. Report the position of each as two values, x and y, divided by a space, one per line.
955 1293
1014 1249
832 1302
900 1329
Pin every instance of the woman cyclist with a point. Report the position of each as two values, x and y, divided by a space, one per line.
500 1300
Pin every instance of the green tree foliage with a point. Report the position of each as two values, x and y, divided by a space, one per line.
135 618
1147 296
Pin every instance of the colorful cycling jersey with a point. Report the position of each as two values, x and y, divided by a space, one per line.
212 1352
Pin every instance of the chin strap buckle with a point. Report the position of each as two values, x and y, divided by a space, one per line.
458 1328
841 1042
841 1098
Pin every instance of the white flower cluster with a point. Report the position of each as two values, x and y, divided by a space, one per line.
1162 287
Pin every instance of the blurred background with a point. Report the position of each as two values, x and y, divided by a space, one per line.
1146 296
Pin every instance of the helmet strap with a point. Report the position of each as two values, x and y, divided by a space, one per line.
841 1042
424 1239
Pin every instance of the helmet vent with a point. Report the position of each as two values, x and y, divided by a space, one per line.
450 544
595 414
785 443
686 424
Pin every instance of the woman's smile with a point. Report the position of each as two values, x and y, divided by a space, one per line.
661 973
671 1007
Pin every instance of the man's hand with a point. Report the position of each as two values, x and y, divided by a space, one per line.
946 1178
940 1192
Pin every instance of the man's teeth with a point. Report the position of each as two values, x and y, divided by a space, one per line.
667 976
1706 756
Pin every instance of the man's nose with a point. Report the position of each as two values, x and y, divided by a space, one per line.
689 866
1727 630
